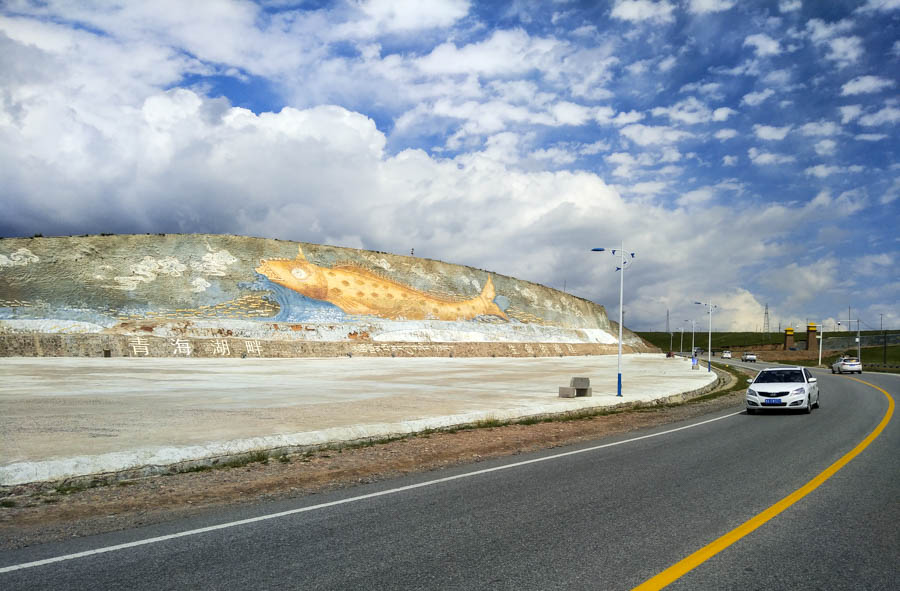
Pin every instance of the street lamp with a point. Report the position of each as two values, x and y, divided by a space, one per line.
692 336
621 268
709 308
681 345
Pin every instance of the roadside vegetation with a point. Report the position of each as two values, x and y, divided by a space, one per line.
879 358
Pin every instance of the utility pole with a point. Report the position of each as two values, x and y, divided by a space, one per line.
766 320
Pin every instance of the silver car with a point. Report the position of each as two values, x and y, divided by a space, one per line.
847 365
783 388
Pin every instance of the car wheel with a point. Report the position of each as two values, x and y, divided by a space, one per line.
808 408
832 370
816 405
860 372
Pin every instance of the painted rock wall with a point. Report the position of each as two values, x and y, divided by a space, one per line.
153 294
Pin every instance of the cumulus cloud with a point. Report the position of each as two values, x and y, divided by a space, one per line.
643 11
710 6
825 147
767 132
866 85
763 45
885 116
789 5
648 135
725 134
756 98
841 49
849 113
760 157
820 128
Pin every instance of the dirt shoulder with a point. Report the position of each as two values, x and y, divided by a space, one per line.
39 517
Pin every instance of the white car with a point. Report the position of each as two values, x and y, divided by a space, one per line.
726 354
847 365
783 388
749 357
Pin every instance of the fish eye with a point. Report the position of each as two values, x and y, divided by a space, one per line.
298 273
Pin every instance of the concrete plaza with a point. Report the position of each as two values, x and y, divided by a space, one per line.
67 417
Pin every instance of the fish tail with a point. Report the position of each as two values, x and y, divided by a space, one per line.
487 295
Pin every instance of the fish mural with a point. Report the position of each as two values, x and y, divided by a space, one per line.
359 291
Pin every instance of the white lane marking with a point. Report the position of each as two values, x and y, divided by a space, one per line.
202 530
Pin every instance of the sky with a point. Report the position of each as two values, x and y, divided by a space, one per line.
746 152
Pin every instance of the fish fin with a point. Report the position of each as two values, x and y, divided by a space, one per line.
488 294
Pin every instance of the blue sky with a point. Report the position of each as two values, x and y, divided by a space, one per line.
746 151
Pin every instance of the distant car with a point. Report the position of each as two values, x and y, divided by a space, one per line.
726 354
847 365
783 387
750 357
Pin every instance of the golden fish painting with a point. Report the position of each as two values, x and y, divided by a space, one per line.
359 291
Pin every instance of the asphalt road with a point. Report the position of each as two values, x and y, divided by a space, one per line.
607 517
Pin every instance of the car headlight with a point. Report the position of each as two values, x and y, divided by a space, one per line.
798 391
751 392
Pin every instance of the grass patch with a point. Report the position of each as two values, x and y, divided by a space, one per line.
8 503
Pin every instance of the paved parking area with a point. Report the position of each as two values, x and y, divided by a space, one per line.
63 417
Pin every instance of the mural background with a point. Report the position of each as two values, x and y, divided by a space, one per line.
205 286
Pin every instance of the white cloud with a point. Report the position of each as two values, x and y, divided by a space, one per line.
879 6
711 89
403 16
729 160
667 63
690 111
725 134
822 171
763 45
710 6
723 113
843 50
764 158
645 135
557 156
886 116
696 197
866 85
820 128
892 194
849 113
647 188
643 11
789 5
871 137
628 118
755 98
825 147
767 132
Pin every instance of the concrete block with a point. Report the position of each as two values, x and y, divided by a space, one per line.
570 392
580 382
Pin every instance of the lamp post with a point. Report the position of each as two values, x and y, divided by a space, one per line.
709 308
692 336
681 345
621 253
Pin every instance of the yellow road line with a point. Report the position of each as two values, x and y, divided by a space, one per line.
681 568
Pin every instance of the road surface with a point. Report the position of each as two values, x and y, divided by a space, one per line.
610 514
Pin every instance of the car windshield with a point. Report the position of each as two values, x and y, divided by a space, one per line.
851 360
779 375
